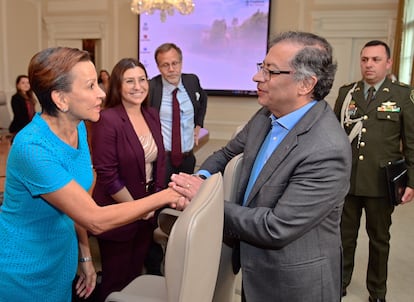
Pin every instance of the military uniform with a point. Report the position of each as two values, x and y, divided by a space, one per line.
378 130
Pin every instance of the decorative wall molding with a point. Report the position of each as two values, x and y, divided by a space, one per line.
356 2
78 27
352 23
76 5
75 27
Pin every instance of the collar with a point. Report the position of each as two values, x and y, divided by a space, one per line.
288 121
169 88
376 86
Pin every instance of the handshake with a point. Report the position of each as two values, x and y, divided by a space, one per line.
187 185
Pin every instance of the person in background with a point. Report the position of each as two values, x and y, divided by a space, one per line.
129 159
23 105
192 101
378 136
47 209
104 79
293 181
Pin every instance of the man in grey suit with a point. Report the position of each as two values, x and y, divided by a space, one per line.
295 176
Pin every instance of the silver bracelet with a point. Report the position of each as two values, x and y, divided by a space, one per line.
85 259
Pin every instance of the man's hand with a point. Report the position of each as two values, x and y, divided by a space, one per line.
196 134
408 195
186 184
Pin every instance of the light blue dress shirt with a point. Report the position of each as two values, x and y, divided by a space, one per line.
280 128
186 116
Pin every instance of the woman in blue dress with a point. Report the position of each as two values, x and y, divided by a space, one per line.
47 210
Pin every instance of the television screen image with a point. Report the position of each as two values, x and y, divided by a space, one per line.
221 41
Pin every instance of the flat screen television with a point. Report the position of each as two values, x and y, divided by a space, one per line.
221 42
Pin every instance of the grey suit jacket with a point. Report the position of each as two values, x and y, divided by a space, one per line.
290 244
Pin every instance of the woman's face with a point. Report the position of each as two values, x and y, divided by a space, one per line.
134 86
104 76
23 85
85 99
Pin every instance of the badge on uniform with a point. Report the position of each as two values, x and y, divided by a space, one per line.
389 107
352 108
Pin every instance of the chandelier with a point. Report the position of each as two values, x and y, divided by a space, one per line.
148 7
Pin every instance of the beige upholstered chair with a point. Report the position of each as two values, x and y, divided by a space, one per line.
4 115
192 256
226 279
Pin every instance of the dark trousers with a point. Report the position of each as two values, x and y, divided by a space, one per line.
378 222
122 261
187 166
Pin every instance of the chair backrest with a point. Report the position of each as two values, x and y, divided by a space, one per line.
194 245
238 129
231 179
4 112
226 279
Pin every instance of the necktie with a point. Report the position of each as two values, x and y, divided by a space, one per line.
176 154
370 95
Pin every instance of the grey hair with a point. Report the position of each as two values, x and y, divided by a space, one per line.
314 59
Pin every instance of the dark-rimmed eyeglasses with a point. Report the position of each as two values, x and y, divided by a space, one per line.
167 66
267 73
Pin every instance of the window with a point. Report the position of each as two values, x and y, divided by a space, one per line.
407 49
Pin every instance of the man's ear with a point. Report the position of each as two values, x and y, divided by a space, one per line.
59 99
307 85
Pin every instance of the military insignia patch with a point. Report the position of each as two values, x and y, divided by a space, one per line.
352 108
389 107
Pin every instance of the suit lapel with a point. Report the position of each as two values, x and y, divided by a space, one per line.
156 91
278 156
289 143
132 138
256 135
383 95
190 89
359 97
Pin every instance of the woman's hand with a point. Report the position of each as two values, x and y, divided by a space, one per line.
175 199
87 279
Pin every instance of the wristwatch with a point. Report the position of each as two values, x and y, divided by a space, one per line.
201 176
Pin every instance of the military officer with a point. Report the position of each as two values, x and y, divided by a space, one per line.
379 122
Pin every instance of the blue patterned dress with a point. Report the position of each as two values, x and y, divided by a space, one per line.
39 247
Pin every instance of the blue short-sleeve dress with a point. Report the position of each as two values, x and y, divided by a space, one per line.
39 247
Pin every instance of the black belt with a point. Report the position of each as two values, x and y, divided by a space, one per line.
150 186
184 154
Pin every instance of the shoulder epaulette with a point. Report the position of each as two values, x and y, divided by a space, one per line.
349 84
400 84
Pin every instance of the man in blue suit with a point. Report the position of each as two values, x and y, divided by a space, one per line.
293 181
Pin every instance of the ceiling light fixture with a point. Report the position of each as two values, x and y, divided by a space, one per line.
165 7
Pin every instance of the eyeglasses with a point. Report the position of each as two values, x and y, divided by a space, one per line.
167 66
267 73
